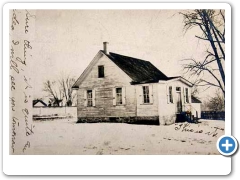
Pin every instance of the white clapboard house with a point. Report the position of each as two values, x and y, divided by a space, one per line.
119 88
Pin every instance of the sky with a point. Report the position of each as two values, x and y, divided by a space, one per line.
66 41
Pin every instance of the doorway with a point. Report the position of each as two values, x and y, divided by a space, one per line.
179 102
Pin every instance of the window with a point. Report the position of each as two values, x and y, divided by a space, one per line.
146 94
187 99
170 94
178 88
89 98
100 71
119 96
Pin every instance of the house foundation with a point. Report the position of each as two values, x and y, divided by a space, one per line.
148 120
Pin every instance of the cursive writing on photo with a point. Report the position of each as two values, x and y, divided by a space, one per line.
25 97
26 46
27 19
28 129
14 123
13 84
27 145
27 83
13 63
185 127
13 103
14 19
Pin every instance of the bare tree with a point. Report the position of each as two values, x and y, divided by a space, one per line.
54 92
216 103
66 88
60 90
195 91
212 26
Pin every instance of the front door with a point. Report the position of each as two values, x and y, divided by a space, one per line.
179 102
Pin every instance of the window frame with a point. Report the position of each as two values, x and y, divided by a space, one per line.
89 99
186 95
119 101
101 71
179 89
170 94
146 94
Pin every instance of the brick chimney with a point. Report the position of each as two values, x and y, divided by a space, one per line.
105 47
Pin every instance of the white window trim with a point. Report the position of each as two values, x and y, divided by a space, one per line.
86 98
114 90
117 103
89 98
150 86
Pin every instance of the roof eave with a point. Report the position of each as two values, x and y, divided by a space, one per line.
181 79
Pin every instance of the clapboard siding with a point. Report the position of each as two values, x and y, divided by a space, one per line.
114 76
103 87
104 104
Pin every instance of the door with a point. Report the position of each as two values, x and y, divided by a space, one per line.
179 102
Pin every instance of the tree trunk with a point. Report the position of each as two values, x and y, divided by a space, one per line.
214 47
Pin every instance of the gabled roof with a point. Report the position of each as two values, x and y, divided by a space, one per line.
174 78
37 101
195 100
140 71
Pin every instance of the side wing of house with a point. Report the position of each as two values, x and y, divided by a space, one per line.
105 91
174 98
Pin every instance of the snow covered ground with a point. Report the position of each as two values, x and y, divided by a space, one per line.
64 136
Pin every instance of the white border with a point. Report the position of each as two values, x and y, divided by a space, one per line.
113 165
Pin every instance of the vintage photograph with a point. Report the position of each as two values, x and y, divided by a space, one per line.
117 82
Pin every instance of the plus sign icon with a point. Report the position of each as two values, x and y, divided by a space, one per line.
227 145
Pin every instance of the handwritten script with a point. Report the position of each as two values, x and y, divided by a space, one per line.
186 127
21 50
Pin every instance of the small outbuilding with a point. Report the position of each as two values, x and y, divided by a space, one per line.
196 107
39 103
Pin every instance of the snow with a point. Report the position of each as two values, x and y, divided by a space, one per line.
64 136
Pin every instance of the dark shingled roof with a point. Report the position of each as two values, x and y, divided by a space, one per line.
174 77
195 100
140 71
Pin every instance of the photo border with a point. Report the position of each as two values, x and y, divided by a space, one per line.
113 164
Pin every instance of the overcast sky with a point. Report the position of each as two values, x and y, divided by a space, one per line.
66 41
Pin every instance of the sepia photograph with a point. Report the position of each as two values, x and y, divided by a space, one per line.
116 81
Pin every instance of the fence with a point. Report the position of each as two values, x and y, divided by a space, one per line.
55 111
214 115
